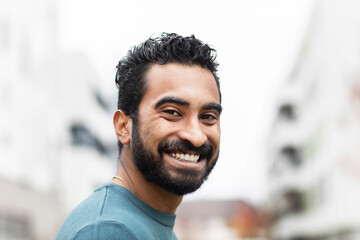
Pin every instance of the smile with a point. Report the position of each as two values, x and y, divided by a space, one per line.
185 157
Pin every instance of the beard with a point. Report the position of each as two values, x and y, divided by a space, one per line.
153 168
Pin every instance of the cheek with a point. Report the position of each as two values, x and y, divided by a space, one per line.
146 136
158 129
151 135
214 135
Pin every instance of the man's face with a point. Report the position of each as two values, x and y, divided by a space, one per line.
175 142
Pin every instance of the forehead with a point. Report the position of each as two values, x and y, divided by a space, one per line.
192 83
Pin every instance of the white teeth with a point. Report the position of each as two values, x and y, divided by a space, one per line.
185 157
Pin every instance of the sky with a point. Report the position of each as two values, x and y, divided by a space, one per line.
257 42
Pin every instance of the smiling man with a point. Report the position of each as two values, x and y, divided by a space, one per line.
168 127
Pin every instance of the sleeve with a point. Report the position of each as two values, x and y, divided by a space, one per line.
105 230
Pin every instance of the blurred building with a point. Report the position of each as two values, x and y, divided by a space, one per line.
212 220
314 145
56 139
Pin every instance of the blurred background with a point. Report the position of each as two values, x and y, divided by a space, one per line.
289 167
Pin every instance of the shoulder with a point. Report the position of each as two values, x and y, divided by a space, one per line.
106 229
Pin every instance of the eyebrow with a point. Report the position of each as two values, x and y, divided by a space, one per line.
215 106
181 102
171 100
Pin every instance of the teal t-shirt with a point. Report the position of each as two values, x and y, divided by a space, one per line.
113 212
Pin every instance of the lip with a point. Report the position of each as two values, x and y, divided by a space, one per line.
184 164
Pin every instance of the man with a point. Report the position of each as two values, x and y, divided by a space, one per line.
168 127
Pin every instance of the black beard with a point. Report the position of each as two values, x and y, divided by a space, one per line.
154 170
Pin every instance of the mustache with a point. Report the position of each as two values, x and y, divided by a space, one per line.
205 150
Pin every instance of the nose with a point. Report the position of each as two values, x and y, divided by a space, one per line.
193 132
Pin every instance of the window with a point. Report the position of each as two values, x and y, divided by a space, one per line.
289 202
287 112
294 201
101 101
292 155
81 136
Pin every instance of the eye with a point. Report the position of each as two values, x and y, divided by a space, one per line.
172 113
209 118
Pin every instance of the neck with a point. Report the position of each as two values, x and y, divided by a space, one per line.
148 192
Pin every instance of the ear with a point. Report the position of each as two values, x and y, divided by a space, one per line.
122 124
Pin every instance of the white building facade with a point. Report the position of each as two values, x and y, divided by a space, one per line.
56 137
314 145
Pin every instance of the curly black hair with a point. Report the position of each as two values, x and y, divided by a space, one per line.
167 48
